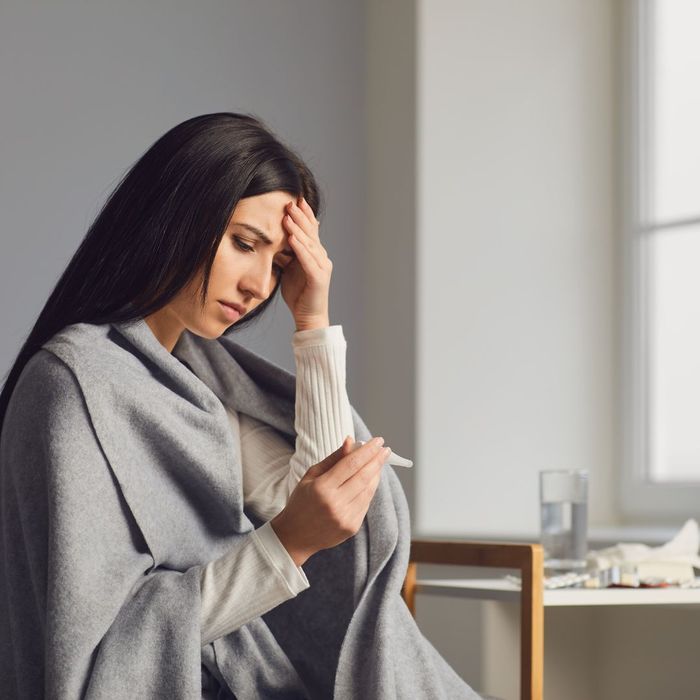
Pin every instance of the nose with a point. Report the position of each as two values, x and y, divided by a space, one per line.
257 281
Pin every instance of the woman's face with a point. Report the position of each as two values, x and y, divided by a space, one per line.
252 251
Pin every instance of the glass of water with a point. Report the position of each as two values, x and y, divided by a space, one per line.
564 519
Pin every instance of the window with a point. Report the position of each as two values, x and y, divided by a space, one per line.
661 117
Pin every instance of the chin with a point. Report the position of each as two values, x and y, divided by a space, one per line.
210 331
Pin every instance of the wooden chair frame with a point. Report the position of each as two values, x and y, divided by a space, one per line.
528 558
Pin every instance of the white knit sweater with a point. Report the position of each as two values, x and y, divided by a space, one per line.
258 573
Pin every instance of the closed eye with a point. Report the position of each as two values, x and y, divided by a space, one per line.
242 245
249 249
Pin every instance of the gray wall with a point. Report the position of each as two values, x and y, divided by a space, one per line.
389 373
88 87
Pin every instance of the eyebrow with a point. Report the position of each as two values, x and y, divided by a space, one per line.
261 235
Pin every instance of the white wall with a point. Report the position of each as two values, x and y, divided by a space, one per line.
516 259
491 187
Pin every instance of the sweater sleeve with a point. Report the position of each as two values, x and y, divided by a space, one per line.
322 419
271 470
247 582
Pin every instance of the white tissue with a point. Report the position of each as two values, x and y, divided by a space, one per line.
682 549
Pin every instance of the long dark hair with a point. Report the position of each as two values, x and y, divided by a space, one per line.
163 223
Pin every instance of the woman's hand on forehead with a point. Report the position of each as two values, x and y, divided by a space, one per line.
306 282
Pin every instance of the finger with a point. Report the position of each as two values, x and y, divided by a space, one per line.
308 262
306 208
302 207
310 231
362 479
317 252
362 500
325 464
307 223
302 247
345 448
350 464
302 220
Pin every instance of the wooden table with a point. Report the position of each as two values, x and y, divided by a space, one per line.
593 648
504 590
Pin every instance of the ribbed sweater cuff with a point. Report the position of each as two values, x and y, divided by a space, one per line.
319 336
323 415
246 582
293 575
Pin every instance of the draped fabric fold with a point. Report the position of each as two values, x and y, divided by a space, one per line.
120 479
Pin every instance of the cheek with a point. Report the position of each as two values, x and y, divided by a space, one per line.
226 266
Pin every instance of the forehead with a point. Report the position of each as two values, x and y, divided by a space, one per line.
265 209
261 217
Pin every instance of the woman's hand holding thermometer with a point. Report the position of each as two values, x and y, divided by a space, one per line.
330 502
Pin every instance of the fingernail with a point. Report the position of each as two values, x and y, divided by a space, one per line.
379 441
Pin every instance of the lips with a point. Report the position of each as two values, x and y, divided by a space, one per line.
232 311
237 307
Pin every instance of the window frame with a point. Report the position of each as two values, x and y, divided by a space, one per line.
640 498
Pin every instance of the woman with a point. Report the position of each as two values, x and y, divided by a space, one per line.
161 487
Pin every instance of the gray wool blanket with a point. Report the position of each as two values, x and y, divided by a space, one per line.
120 479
